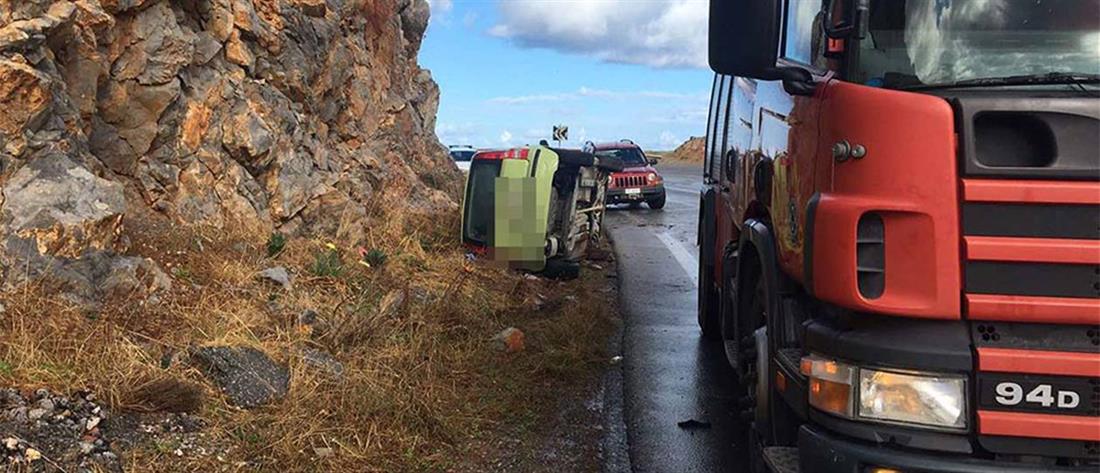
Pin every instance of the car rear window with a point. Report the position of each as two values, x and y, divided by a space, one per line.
480 196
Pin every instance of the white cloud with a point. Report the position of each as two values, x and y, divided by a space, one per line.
469 19
657 33
506 137
441 6
669 140
587 93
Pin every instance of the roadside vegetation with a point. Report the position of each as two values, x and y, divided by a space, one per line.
409 377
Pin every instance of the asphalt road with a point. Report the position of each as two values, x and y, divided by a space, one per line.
669 373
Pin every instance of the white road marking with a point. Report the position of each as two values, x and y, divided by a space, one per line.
687 261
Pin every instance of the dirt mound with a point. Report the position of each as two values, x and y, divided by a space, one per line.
691 151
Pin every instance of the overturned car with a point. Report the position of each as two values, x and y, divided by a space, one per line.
535 208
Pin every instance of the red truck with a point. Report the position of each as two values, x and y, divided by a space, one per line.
899 231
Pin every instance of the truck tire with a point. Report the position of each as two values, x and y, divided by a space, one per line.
656 203
773 421
708 303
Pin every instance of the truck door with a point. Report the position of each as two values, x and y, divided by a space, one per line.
738 136
725 226
785 137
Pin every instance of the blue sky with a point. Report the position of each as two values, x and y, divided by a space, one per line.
609 69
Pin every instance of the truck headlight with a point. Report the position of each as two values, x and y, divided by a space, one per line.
919 399
926 399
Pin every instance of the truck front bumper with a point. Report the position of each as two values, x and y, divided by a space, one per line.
820 451
619 195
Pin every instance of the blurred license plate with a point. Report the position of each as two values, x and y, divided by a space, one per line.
634 191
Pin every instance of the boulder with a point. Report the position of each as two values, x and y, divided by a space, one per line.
60 207
247 376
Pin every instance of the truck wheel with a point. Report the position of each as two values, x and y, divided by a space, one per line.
657 203
772 420
708 303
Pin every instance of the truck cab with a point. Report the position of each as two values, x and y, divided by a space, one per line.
899 231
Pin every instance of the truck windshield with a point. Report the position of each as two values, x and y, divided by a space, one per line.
920 43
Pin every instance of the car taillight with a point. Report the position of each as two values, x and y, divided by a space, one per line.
514 153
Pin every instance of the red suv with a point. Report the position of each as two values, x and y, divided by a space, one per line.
638 181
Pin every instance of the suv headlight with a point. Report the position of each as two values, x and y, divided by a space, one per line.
914 398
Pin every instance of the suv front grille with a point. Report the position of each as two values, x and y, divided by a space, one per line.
630 180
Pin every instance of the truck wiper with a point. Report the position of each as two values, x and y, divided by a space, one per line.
1069 78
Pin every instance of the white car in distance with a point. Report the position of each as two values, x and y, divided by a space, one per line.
462 155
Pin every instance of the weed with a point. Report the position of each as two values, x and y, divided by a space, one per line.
5 368
276 243
375 257
327 264
182 273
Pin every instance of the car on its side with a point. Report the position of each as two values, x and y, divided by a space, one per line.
462 155
638 182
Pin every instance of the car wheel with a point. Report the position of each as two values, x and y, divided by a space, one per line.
657 203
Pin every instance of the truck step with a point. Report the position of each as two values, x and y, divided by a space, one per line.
781 459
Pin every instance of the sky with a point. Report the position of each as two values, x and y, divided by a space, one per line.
509 70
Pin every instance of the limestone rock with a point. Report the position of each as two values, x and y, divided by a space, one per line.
282 114
61 207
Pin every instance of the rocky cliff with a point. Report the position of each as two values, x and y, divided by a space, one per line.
299 116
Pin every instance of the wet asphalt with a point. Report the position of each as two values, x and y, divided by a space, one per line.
668 373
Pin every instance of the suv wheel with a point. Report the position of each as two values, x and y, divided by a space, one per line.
656 203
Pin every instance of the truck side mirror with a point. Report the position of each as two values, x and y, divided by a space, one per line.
652 161
744 37
744 41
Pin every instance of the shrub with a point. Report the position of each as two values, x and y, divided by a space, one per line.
275 244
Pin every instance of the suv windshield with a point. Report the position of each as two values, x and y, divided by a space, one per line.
941 42
630 156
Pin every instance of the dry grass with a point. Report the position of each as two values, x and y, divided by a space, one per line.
423 389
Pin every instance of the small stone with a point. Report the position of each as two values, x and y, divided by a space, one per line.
92 423
308 317
18 414
86 447
35 414
323 452
47 405
33 455
510 340
11 443
323 361
41 394
278 275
